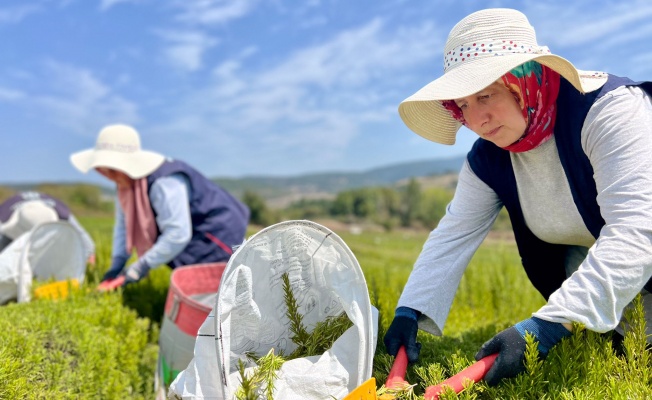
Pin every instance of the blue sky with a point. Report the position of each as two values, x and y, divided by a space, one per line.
257 87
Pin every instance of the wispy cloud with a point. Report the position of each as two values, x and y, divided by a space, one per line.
106 4
211 12
584 24
10 94
17 13
315 100
596 38
186 48
79 102
641 69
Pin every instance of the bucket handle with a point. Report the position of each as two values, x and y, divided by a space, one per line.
174 310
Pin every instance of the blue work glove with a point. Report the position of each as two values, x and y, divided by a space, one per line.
510 344
117 264
403 332
136 271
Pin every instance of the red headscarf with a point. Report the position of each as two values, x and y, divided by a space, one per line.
535 87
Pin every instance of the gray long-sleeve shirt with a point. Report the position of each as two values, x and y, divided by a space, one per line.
617 138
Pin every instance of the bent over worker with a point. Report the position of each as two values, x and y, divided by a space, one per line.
567 153
166 210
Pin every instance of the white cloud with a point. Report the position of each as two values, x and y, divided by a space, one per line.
641 66
186 49
79 102
10 94
583 24
106 4
17 14
314 102
597 38
212 12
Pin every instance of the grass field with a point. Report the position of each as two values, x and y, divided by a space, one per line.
494 294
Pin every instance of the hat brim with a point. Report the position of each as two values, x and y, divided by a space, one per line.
137 165
424 114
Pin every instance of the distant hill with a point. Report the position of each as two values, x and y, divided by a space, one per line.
279 191
320 185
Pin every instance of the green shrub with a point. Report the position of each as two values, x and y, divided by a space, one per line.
495 293
86 346
94 345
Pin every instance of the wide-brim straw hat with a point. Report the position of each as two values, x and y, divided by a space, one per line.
27 216
480 49
118 148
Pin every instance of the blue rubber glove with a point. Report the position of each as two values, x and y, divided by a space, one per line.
403 332
510 344
117 265
136 271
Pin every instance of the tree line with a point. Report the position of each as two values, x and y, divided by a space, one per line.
406 206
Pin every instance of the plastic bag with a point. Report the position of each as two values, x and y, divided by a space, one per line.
250 317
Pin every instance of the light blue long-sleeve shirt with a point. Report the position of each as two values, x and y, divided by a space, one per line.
169 197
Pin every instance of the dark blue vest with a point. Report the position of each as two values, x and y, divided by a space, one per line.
11 204
219 220
544 262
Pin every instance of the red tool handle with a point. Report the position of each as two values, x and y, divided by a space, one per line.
396 377
111 284
474 372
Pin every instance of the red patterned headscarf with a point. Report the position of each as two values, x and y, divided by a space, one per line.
535 87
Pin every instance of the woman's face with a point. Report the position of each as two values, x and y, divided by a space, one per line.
494 114
120 178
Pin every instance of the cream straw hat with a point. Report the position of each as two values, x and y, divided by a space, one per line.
480 49
118 147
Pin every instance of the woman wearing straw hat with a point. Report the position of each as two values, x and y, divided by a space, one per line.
567 152
165 209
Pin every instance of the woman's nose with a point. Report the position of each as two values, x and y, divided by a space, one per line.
477 116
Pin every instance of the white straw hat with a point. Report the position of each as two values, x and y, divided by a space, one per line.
480 49
118 147
28 215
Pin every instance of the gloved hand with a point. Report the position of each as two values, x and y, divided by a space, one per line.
136 271
117 264
510 344
403 332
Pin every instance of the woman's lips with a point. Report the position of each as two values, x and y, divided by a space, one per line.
492 132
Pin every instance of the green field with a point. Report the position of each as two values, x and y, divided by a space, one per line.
104 346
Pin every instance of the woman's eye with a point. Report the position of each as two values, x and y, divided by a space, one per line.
484 97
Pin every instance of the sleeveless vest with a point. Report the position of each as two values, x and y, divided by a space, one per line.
544 262
14 202
219 220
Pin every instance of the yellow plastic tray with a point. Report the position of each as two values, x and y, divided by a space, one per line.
56 290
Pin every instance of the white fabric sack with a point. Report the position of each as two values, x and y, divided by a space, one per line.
250 314
50 251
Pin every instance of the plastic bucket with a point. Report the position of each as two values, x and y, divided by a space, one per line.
190 299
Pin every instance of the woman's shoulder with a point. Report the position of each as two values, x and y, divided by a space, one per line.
621 101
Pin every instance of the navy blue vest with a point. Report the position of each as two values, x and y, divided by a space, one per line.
544 262
219 220
11 204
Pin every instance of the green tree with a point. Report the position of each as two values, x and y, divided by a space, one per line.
309 209
343 204
364 203
260 213
412 202
433 206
